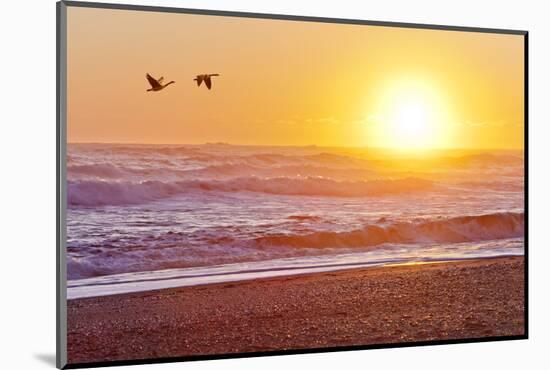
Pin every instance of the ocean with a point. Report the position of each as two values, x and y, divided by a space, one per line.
143 217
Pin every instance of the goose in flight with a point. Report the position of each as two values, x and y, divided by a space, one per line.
206 79
156 85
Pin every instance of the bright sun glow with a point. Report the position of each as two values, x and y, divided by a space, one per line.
411 121
411 115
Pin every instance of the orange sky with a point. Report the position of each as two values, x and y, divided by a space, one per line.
290 83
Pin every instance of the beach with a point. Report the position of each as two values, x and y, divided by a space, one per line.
380 305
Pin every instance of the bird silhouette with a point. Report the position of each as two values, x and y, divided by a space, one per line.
156 85
206 79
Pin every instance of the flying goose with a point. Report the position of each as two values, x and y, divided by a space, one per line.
206 79
156 85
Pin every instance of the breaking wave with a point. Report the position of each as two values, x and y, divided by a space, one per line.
453 230
99 193
177 249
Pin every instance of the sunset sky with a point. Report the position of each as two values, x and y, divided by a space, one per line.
290 83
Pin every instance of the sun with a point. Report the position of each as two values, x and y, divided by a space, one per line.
411 115
411 123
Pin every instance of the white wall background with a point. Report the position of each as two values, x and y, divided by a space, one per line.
27 155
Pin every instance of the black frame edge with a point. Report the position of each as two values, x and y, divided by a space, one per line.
526 179
61 91
290 352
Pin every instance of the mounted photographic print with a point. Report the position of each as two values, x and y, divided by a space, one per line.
236 184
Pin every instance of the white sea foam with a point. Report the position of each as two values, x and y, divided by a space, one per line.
144 209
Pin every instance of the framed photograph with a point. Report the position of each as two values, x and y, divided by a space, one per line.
235 184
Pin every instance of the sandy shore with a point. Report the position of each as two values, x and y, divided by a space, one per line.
473 299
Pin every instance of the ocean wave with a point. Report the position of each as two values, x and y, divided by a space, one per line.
99 193
510 185
304 218
452 230
486 159
108 171
99 170
304 170
168 171
207 247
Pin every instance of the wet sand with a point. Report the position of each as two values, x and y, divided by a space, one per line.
452 300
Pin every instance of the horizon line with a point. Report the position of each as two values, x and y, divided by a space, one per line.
295 146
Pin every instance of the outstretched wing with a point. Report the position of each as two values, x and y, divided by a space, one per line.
208 82
160 80
154 83
199 80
